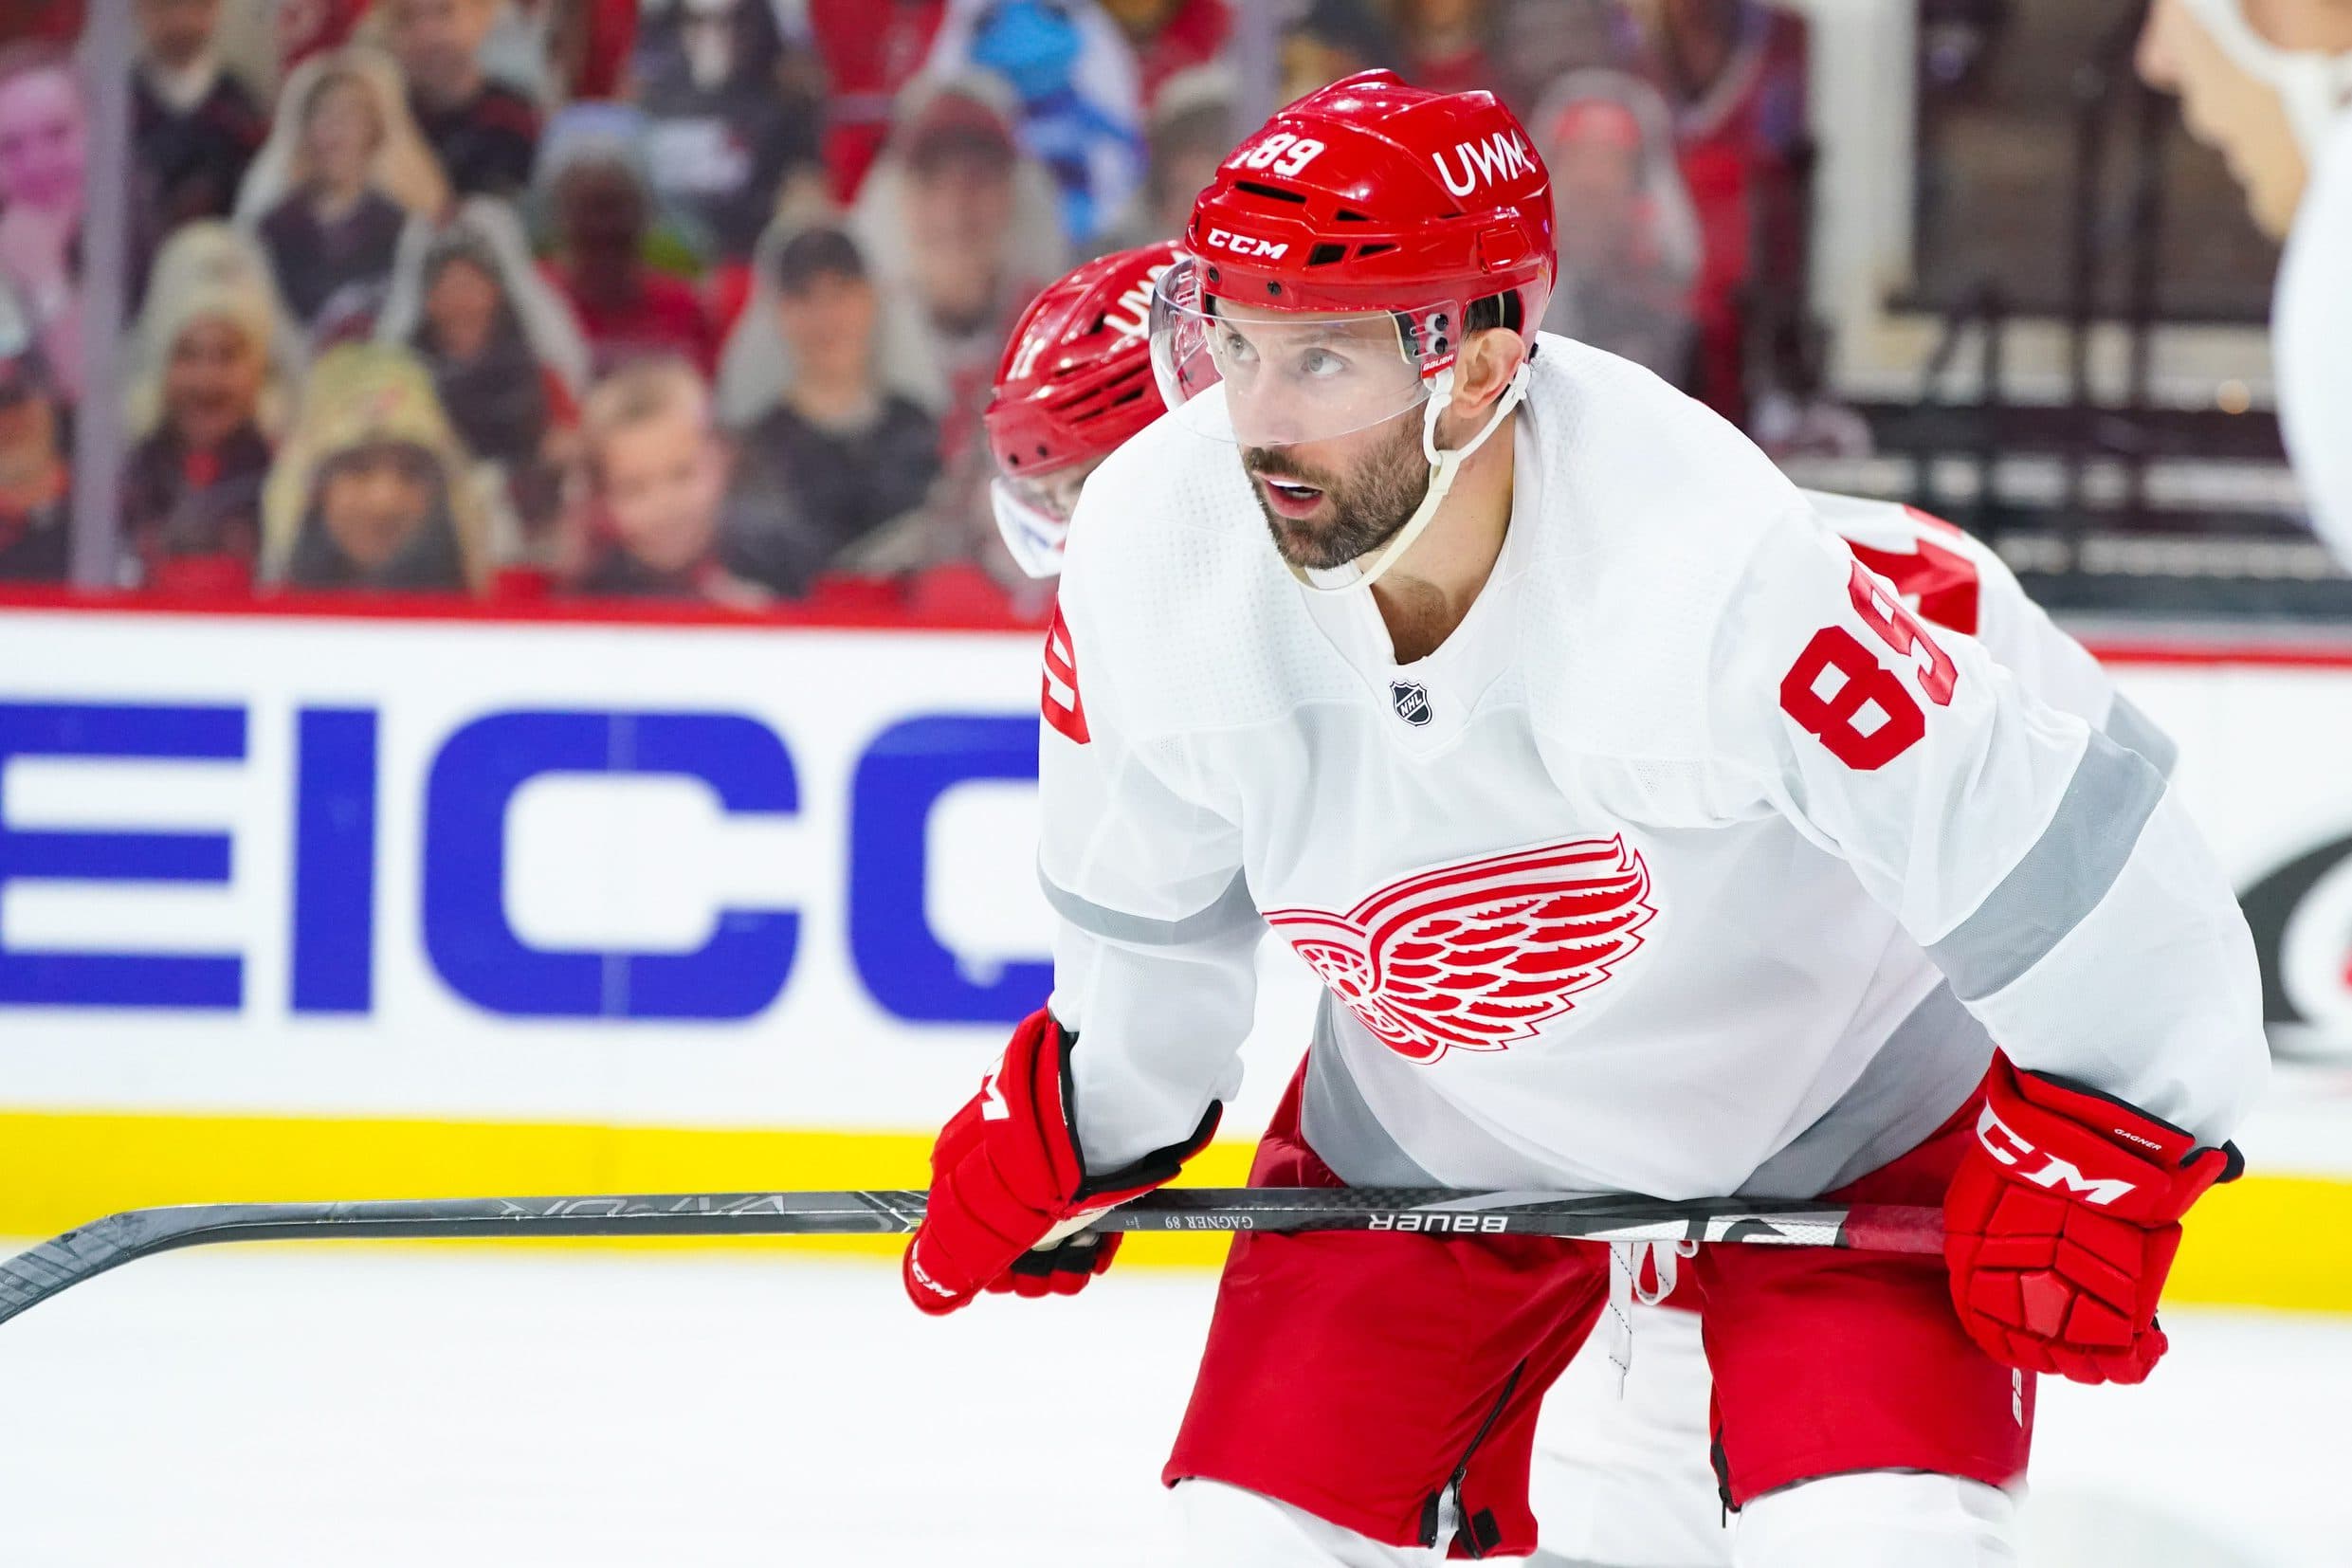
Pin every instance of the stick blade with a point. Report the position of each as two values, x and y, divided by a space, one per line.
62 1262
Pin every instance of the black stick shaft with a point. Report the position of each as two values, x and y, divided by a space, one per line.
34 1276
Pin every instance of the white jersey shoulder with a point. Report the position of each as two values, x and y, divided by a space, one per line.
1648 510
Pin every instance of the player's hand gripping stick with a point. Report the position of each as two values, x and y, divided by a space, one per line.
2062 1222
1010 1193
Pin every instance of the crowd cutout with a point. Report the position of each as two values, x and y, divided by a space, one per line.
699 300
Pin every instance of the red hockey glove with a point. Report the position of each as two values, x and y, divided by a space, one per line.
1010 1193
2062 1221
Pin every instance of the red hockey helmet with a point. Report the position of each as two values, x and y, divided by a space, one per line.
1076 377
1074 383
1366 196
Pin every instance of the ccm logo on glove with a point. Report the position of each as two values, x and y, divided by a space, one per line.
2054 1270
2002 1142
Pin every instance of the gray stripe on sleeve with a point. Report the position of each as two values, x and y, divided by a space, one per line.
1341 1128
2133 730
1930 1063
1228 910
2062 878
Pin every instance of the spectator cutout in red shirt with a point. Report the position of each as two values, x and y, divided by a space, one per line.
1734 72
867 50
603 213
1630 259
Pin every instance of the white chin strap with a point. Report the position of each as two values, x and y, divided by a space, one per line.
1444 468
2312 87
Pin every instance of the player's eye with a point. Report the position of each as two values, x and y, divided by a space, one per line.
1321 364
1233 347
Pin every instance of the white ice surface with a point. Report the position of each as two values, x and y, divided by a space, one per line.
438 1409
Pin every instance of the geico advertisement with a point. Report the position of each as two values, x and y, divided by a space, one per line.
646 873
713 875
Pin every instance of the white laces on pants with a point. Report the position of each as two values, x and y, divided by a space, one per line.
1626 1260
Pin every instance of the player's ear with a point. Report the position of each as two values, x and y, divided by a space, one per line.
1483 371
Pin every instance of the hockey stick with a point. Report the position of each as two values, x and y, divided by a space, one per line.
34 1276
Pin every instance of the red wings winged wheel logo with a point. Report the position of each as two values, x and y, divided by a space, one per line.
1477 957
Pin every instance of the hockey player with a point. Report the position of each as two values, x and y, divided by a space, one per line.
1644 841
1075 382
1620 1474
1620 1477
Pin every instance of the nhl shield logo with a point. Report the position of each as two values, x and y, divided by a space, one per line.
1411 701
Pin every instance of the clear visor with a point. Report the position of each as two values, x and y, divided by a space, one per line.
1286 377
1034 530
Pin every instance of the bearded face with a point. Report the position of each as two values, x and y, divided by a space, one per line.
1327 408
1329 502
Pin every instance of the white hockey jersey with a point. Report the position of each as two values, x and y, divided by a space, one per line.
1689 863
